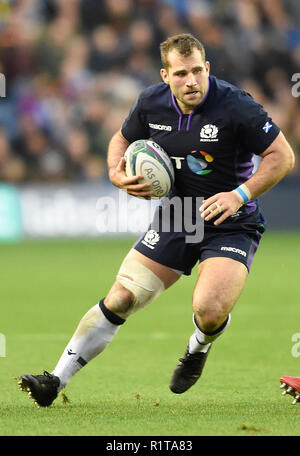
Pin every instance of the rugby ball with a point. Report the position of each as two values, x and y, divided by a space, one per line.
146 158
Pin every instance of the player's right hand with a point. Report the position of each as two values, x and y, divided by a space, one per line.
129 184
224 203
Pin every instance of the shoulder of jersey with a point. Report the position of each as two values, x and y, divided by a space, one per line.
154 93
230 97
232 91
223 90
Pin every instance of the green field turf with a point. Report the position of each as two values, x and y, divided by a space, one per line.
46 287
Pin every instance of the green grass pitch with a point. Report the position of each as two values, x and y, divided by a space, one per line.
46 287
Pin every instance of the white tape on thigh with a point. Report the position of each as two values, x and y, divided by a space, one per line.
141 281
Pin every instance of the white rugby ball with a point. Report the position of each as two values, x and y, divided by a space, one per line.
146 158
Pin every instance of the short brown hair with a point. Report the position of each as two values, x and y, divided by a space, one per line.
184 43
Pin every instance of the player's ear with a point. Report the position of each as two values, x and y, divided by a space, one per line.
207 66
164 75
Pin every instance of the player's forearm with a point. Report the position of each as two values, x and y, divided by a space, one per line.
277 162
116 150
272 169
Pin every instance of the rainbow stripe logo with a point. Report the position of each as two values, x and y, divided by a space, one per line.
198 165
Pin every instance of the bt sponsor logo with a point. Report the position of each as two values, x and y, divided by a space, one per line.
197 161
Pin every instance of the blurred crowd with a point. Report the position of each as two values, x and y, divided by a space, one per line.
74 67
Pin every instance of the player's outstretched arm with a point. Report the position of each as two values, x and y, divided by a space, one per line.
277 161
116 168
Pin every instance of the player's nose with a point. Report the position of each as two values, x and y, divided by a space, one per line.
191 80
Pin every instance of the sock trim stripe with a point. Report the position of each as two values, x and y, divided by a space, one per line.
200 343
220 329
81 361
112 317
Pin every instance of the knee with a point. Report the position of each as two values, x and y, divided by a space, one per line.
135 287
209 317
119 300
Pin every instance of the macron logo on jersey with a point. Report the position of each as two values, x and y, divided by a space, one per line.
233 249
267 127
160 127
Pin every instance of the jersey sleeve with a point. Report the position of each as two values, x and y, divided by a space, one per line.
135 126
256 129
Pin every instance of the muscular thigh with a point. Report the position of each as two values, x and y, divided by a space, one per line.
219 285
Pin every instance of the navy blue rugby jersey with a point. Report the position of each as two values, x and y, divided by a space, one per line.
212 147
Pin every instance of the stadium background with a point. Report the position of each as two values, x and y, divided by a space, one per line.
73 69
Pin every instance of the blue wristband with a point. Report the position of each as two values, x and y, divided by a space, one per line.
243 194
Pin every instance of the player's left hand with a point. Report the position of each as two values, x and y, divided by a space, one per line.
225 204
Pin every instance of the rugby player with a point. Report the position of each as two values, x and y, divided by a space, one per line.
189 113
291 385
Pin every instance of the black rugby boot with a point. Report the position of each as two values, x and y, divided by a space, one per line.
188 371
42 388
